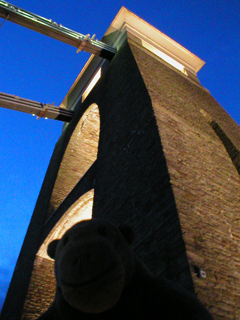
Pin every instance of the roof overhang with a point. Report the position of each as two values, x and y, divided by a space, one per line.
128 25
126 21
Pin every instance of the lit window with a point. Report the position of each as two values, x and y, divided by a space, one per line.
165 57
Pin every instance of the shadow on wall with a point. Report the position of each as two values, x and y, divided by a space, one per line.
233 152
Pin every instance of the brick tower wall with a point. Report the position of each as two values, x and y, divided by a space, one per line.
41 290
161 168
132 181
205 181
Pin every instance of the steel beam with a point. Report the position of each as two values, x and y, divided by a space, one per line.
55 30
35 108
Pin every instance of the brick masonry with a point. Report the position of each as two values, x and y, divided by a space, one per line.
41 289
79 155
204 179
161 168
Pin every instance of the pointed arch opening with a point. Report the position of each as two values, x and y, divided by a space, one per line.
79 155
79 210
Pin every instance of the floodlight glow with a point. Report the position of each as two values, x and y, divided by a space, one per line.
164 57
92 84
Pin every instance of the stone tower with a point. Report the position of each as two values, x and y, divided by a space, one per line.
148 146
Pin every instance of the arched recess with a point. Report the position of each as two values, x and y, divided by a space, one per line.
41 290
80 210
80 154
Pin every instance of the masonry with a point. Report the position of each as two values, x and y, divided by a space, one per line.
140 151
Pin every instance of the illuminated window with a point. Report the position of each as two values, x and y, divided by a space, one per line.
92 84
165 57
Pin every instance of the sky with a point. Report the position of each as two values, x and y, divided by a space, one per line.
40 68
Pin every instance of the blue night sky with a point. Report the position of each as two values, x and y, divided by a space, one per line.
36 67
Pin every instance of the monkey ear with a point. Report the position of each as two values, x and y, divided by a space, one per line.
128 233
51 250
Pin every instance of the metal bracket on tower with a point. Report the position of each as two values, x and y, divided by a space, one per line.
83 43
55 30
